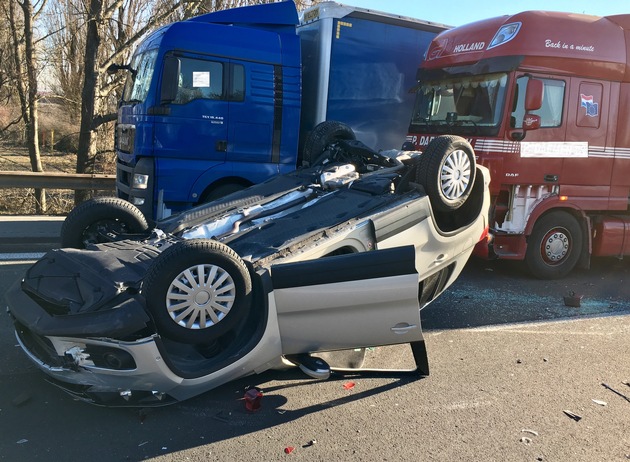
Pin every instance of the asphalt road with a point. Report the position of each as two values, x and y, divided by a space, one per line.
497 390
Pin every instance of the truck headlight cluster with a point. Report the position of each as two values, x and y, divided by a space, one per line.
140 181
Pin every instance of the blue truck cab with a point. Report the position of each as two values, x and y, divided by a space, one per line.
224 100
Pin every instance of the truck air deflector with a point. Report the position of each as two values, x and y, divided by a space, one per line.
273 15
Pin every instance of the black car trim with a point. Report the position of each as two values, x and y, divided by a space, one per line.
123 320
344 268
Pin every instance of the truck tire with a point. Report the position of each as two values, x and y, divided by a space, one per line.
322 136
221 191
553 249
197 290
446 170
93 220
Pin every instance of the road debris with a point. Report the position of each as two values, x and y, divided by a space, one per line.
253 398
573 415
309 444
600 402
531 432
289 449
222 416
22 441
348 385
526 440
608 387
21 399
572 299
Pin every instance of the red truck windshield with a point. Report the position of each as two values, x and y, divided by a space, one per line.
474 103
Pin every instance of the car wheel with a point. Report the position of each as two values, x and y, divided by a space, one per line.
446 170
197 290
322 136
92 221
554 247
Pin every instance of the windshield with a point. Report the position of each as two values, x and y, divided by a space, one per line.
473 103
139 78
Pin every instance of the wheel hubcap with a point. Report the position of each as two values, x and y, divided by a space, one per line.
555 246
455 175
200 296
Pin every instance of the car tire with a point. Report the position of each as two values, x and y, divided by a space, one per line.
446 170
322 136
90 221
197 290
553 248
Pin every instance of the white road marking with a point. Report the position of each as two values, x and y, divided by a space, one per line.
27 256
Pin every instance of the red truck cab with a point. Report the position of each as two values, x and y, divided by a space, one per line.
544 98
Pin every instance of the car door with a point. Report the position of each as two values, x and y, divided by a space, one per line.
348 301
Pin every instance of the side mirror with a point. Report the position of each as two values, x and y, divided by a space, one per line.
534 95
531 122
112 69
170 79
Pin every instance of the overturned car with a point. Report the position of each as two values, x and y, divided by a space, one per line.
340 255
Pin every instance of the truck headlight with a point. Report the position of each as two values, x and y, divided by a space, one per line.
140 181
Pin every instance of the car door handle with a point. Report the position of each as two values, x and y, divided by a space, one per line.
221 145
403 328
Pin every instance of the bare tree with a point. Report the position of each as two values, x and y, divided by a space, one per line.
21 16
101 15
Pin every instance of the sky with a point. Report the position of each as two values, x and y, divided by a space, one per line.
458 12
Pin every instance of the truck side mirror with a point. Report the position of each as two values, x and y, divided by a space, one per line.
170 79
534 95
112 69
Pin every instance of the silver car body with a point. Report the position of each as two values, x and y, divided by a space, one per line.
381 267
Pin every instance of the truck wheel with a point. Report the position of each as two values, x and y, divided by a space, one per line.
197 290
553 249
221 191
322 136
92 221
447 169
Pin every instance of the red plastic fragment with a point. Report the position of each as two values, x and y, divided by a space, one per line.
253 398
289 449
348 385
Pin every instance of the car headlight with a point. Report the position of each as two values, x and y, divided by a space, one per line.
140 181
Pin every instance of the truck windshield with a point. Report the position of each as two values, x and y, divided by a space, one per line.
470 105
139 79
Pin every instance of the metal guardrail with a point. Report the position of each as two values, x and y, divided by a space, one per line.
49 180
